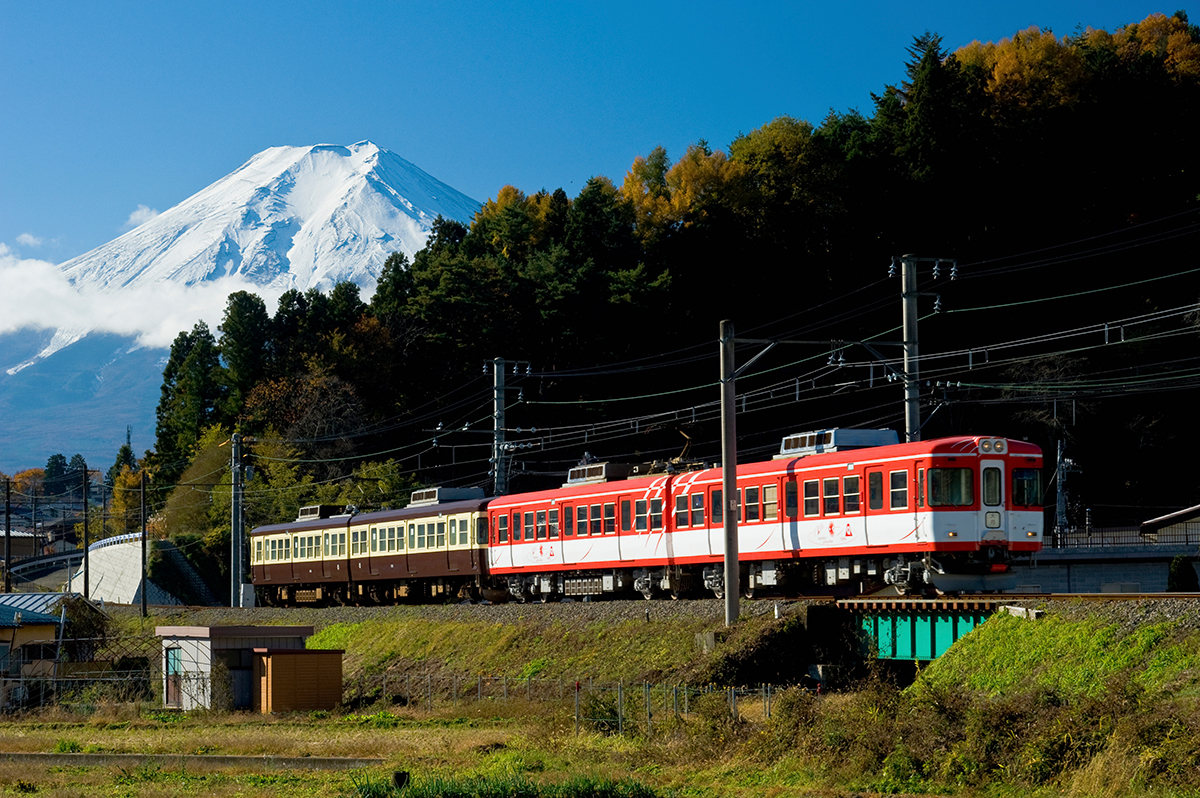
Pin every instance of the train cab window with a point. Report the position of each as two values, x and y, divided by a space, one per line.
610 518
791 499
441 534
553 523
697 509
530 527
812 497
833 501
898 489
641 515
656 513
992 478
681 511
568 521
1027 487
770 502
950 487
718 508
752 508
502 528
597 522
875 490
850 495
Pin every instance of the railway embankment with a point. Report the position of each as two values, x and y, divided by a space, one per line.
1085 698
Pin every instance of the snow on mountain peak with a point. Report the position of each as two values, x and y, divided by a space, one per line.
290 217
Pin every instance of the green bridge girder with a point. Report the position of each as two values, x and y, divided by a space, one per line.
915 629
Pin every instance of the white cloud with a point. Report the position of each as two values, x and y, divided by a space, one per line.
139 217
39 296
29 240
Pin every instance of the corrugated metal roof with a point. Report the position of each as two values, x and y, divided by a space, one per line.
34 602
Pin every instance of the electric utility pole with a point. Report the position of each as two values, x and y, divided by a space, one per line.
912 368
498 467
235 558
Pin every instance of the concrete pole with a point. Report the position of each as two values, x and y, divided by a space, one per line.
501 482
235 536
912 377
729 473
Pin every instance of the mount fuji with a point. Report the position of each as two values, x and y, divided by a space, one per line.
89 361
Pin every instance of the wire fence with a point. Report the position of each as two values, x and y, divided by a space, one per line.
85 674
613 707
1092 537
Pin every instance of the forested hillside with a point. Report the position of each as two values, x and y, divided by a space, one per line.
1060 174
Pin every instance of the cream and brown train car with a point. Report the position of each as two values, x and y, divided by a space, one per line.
435 547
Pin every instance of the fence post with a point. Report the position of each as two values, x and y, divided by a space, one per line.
576 708
620 707
646 691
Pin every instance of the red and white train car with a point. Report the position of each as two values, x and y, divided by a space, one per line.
836 511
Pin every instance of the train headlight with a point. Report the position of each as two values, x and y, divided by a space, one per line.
999 447
985 445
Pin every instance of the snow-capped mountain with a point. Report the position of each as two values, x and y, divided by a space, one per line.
290 217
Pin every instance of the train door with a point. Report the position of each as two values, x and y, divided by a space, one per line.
873 513
991 494
328 554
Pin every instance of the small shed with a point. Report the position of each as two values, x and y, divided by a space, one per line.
297 679
29 653
213 667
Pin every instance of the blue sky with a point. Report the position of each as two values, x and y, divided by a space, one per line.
113 107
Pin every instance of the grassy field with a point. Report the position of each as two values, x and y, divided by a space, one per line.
1084 701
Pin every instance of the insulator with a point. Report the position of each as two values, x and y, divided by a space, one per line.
937 304
954 270
937 269
528 369
892 268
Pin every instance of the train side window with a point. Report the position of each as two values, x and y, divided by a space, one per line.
770 502
681 511
641 513
541 525
875 490
287 552
554 523
718 508
502 528
1027 487
341 552
568 521
752 504
833 501
400 538
441 534
898 489
258 549
656 513
597 522
374 540
421 536
791 499
991 486
812 498
610 518
850 495
697 509
393 545
530 526
581 520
